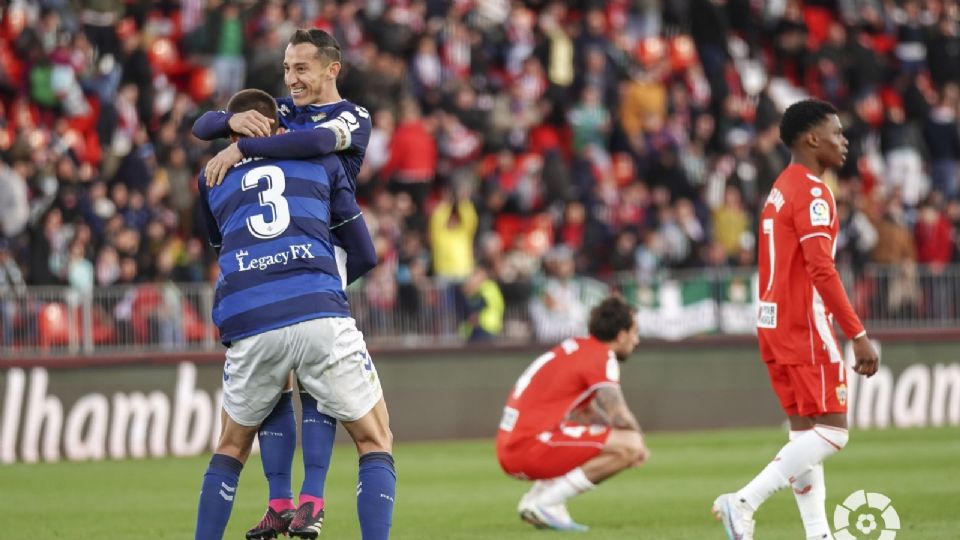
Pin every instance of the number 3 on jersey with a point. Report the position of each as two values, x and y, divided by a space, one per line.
271 197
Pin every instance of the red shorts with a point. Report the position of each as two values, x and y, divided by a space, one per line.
810 389
551 453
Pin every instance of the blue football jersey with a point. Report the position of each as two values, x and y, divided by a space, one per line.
271 220
349 121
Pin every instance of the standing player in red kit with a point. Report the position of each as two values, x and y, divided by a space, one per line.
566 425
800 297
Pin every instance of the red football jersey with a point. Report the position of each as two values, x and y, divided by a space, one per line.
556 383
800 290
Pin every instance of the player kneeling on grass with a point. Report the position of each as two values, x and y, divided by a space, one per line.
566 425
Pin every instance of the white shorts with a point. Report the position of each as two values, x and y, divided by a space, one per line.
331 362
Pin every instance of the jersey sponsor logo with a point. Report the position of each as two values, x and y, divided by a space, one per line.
318 117
842 394
292 253
284 110
819 212
509 418
767 315
776 199
613 369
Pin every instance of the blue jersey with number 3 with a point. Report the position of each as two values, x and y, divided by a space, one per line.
271 220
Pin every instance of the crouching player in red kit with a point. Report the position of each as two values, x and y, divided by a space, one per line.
566 425
800 295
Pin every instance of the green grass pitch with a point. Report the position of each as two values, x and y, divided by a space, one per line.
455 490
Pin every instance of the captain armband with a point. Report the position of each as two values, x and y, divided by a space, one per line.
341 131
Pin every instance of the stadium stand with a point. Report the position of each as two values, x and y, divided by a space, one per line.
595 142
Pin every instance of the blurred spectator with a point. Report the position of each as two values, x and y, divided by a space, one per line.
79 269
942 135
895 248
560 305
934 236
413 155
483 318
903 148
590 120
730 222
12 287
14 202
453 226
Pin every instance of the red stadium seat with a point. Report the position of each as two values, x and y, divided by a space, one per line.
54 325
194 329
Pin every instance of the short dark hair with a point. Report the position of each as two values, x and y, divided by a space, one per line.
327 46
801 116
609 317
253 99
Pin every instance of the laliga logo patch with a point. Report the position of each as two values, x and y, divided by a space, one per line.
819 212
873 514
842 394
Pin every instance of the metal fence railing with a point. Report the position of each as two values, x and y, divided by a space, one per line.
58 321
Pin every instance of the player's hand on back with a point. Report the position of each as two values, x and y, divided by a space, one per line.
219 164
867 360
250 124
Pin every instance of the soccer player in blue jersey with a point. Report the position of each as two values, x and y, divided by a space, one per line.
320 122
280 305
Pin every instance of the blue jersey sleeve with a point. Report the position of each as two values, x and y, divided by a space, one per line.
360 137
212 125
290 145
213 228
343 198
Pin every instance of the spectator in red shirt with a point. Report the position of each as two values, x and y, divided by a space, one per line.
933 235
413 155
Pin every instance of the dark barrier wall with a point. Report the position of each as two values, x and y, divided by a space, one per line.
157 406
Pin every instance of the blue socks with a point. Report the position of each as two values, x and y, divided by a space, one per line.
318 432
278 442
375 493
216 497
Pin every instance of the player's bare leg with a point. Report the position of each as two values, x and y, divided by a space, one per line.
624 449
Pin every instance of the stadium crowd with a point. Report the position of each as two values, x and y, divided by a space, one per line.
514 145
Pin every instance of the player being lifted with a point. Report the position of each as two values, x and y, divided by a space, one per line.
280 305
566 425
800 296
320 123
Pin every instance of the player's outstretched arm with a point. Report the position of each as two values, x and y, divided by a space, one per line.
219 124
333 136
609 399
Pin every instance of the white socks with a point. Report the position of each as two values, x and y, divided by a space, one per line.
795 459
810 491
563 487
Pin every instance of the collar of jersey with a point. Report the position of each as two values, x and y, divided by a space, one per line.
323 105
